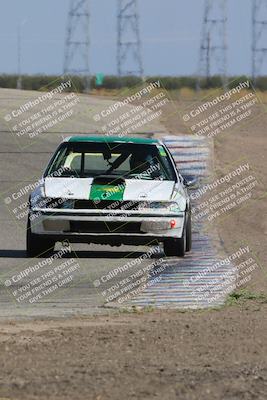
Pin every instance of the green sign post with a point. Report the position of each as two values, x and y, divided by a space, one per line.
99 79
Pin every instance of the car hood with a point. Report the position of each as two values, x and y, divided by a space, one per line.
87 188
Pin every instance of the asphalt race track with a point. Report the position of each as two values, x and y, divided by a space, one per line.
88 287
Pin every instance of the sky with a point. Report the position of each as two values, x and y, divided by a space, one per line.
170 34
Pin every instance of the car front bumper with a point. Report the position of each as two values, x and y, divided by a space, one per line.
91 225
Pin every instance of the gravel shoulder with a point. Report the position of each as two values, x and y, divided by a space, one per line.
148 355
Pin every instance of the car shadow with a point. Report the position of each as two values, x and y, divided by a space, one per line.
103 254
11 253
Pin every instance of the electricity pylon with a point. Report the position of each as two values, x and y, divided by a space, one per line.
77 45
129 58
259 36
213 46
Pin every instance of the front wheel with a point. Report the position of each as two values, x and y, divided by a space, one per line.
188 231
37 244
176 247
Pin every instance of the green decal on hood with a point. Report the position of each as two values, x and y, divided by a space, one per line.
106 192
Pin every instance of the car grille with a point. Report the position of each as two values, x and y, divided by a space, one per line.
106 205
104 227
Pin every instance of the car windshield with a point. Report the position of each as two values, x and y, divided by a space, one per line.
127 160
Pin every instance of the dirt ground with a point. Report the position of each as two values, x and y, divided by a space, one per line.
151 355
215 354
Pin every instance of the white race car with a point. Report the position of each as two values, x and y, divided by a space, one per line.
110 190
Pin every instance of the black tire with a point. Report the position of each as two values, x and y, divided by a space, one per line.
37 244
188 231
175 247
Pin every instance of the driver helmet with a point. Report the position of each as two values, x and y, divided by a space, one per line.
141 161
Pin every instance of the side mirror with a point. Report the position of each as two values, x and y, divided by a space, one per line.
190 181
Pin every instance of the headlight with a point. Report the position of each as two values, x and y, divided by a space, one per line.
38 201
171 206
37 197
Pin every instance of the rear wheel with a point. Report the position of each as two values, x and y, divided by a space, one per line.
175 247
37 244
